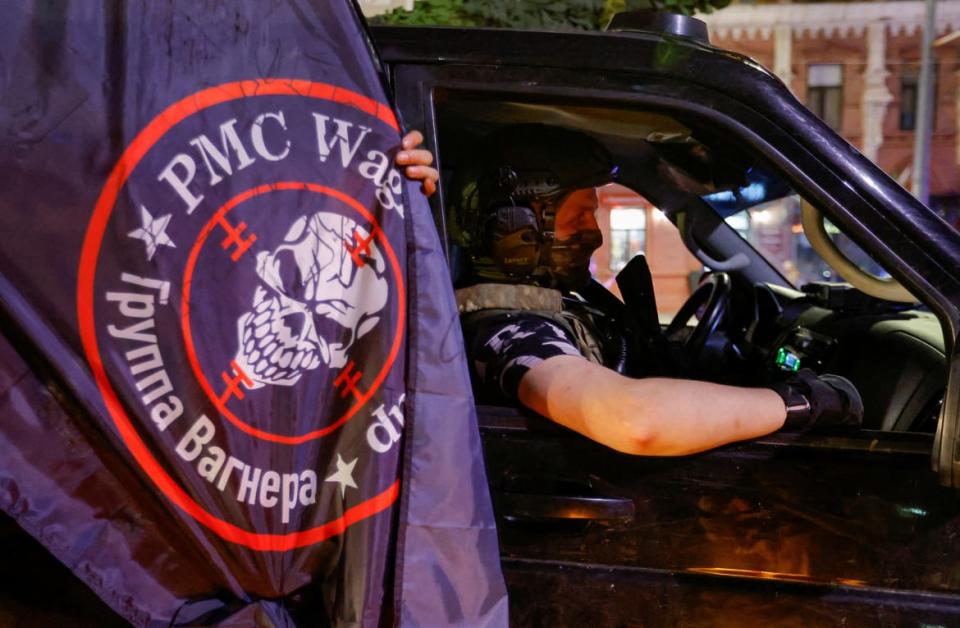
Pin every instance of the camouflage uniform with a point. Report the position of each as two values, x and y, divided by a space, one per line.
509 328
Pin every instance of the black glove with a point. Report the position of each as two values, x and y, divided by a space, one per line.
824 401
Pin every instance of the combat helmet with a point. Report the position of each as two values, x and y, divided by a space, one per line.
502 204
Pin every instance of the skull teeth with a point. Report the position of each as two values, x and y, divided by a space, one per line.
249 346
261 318
297 359
262 330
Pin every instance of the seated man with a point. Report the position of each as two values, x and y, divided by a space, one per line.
524 216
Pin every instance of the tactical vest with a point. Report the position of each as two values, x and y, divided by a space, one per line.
487 300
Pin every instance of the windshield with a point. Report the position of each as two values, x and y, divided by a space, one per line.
765 211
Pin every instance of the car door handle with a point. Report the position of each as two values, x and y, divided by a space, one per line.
533 508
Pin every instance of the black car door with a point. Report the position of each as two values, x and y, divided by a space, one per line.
849 528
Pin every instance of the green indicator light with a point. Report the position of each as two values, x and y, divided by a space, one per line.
781 356
787 361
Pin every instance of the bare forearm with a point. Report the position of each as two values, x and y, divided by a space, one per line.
653 416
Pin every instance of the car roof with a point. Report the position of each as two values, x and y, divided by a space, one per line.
649 52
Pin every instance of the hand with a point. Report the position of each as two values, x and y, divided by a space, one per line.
417 162
824 401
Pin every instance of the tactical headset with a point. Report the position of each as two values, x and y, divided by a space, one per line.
513 235
520 238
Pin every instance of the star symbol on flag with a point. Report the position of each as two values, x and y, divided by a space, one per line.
344 475
152 232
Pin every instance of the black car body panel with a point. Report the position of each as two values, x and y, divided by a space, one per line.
805 529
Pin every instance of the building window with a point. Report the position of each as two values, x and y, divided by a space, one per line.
825 92
910 96
628 235
908 101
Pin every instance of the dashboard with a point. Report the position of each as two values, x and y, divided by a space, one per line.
894 354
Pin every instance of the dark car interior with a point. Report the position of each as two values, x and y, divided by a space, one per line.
746 324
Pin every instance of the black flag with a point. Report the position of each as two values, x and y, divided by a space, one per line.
222 304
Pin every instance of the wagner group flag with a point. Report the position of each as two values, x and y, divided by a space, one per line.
232 383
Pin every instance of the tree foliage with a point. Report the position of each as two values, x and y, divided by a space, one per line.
544 14
429 13
541 14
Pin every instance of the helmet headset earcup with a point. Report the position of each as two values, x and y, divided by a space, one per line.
512 239
517 253
512 233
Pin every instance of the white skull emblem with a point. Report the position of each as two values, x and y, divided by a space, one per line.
321 290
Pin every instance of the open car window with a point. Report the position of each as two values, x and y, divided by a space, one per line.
677 171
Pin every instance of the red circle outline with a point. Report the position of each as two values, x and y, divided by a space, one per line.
187 327
135 151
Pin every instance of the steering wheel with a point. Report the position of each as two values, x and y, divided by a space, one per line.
710 302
